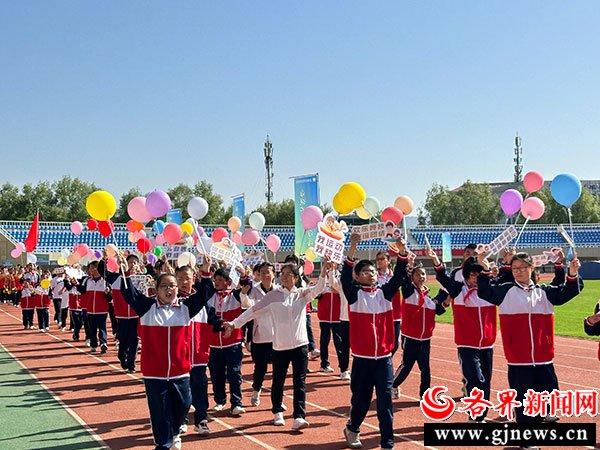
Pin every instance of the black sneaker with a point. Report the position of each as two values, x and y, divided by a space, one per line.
103 349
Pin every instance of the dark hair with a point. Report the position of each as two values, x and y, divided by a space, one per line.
382 254
256 267
262 265
470 266
185 268
471 247
131 255
162 276
93 264
293 268
223 272
292 259
524 257
359 266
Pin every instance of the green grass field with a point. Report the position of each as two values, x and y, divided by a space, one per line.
568 320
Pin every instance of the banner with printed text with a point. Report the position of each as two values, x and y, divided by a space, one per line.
306 193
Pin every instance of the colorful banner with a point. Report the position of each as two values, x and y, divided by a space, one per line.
239 208
446 247
306 193
175 216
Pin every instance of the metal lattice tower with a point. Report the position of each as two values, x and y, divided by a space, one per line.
518 159
268 151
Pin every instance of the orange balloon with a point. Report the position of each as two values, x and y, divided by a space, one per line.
404 203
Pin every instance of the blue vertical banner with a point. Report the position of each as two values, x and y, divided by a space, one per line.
239 208
175 216
306 193
446 247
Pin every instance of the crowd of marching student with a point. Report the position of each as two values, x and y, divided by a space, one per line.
194 318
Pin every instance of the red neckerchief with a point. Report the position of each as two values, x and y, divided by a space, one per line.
222 294
422 294
369 288
173 303
468 294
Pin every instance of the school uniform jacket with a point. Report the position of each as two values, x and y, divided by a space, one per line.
202 325
383 278
74 299
27 299
329 305
93 293
262 328
122 309
165 331
527 316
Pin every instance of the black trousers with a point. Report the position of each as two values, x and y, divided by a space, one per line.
539 378
57 302
298 357
397 324
329 330
97 329
77 321
27 318
414 351
225 364
43 318
64 312
128 341
344 353
309 334
476 365
369 374
199 388
262 355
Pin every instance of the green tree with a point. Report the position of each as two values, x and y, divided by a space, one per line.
9 201
278 213
69 195
217 214
180 196
585 210
121 216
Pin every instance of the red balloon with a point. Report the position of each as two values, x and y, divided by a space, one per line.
392 214
143 245
106 227
218 234
92 224
134 226
172 233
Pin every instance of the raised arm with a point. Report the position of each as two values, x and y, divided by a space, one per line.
349 287
448 283
138 301
310 292
591 324
401 270
559 295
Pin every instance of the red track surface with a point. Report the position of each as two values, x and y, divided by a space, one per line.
113 403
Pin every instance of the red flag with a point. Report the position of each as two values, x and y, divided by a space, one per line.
34 233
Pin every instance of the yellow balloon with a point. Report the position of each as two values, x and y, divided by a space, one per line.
101 205
363 213
340 206
234 223
187 227
310 254
352 194
45 283
61 261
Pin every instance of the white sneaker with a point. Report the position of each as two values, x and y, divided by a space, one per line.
47 329
255 399
299 423
183 428
327 369
396 392
176 443
238 411
314 354
87 342
218 407
352 438
283 407
345 376
192 409
278 419
202 428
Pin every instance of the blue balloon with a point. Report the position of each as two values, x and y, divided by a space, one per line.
158 226
565 189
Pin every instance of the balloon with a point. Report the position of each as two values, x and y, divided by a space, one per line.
237 238
200 231
187 228
186 259
310 254
511 201
219 233
352 195
206 244
565 189
111 250
405 204
151 259
189 241
192 222
310 217
273 242
250 237
101 205
82 249
372 206
15 253
136 208
172 233
98 253
112 264
363 213
65 252
76 228
92 224
31 258
533 181
133 225
308 267
392 214
158 251
143 245
61 261
158 226
256 220
197 208
106 227
141 233
234 224
532 208
339 206
158 203
45 283
21 246
132 237
160 239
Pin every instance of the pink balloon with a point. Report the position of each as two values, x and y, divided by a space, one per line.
160 239
172 233
533 181
237 238
137 210
310 217
82 250
308 267
392 214
76 228
250 237
273 242
158 203
219 233
15 253
112 264
533 208
20 246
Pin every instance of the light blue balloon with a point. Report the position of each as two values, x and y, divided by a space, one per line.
565 189
158 226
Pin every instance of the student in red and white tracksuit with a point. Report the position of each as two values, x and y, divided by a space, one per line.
384 273
418 321
328 312
27 306
527 324
344 330
75 309
371 342
165 330
42 303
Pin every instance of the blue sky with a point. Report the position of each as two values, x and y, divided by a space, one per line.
394 95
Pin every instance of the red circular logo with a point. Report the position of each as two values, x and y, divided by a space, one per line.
437 406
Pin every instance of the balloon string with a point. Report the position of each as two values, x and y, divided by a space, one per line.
521 232
573 239
120 266
199 238
505 226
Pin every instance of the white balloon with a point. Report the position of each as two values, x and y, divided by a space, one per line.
257 221
197 208
207 243
31 258
189 241
186 259
65 252
372 206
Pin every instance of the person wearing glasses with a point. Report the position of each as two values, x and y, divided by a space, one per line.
527 322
